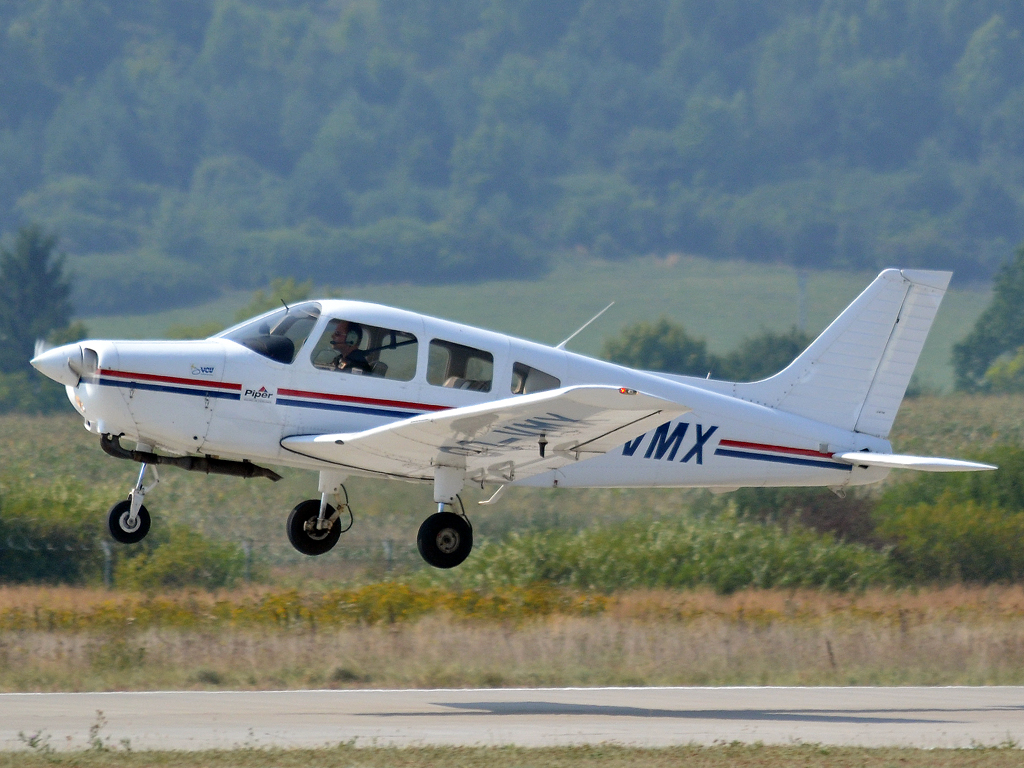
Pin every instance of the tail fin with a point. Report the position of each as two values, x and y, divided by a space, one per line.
855 374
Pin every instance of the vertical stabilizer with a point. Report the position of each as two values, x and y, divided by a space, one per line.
855 374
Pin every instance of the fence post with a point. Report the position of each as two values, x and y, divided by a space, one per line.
247 548
108 562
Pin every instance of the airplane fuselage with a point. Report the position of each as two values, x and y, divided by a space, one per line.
222 398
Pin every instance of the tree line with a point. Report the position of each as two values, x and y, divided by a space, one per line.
989 359
35 307
183 146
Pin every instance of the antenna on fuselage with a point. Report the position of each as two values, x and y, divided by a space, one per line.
287 308
562 345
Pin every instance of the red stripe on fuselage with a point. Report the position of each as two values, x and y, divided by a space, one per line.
360 400
779 448
196 382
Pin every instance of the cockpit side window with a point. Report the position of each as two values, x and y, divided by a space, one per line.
527 380
459 367
368 350
279 335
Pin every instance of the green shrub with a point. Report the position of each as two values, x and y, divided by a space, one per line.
967 525
185 558
956 540
1006 374
55 533
1002 488
848 518
723 552
50 534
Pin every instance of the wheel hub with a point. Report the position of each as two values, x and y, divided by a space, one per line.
316 534
128 525
448 540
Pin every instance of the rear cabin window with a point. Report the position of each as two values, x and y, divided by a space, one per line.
527 380
366 350
459 367
279 335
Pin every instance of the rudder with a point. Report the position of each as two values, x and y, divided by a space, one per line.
855 374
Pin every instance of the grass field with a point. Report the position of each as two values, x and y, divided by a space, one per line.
955 636
603 756
722 301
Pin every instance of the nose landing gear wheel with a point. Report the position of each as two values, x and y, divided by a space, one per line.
120 525
302 530
445 539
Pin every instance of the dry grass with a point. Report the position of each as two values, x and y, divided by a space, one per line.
81 608
388 602
952 636
603 756
557 652
964 603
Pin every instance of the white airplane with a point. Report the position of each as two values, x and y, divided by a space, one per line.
350 388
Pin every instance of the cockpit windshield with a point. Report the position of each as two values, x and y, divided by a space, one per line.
278 335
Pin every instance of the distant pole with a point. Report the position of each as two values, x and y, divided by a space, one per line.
247 548
108 563
389 553
801 284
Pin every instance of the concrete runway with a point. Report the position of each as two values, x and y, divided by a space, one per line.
920 717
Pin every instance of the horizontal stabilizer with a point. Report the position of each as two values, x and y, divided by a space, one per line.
902 461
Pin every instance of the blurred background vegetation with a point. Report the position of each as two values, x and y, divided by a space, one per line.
213 532
159 155
219 532
181 148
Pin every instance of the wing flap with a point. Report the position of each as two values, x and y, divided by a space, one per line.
497 441
902 461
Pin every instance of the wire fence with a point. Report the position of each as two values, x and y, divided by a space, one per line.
385 553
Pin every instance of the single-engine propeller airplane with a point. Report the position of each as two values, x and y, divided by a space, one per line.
349 388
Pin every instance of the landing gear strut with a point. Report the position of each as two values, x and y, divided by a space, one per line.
129 520
446 538
314 526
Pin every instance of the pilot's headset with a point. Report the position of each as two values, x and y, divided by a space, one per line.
354 335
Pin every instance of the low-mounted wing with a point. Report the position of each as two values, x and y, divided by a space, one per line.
901 461
497 441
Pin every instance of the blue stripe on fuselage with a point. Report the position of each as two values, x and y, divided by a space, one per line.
782 459
361 409
105 382
126 384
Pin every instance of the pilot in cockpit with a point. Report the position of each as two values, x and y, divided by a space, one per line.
345 341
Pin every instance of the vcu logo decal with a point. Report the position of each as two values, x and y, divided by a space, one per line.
664 445
261 395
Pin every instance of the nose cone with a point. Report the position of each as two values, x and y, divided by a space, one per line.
60 364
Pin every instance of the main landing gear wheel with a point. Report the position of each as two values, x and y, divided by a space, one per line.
445 539
303 532
121 525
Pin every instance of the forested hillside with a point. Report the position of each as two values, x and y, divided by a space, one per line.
181 146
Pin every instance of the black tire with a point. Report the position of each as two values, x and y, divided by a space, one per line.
311 542
117 522
445 539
